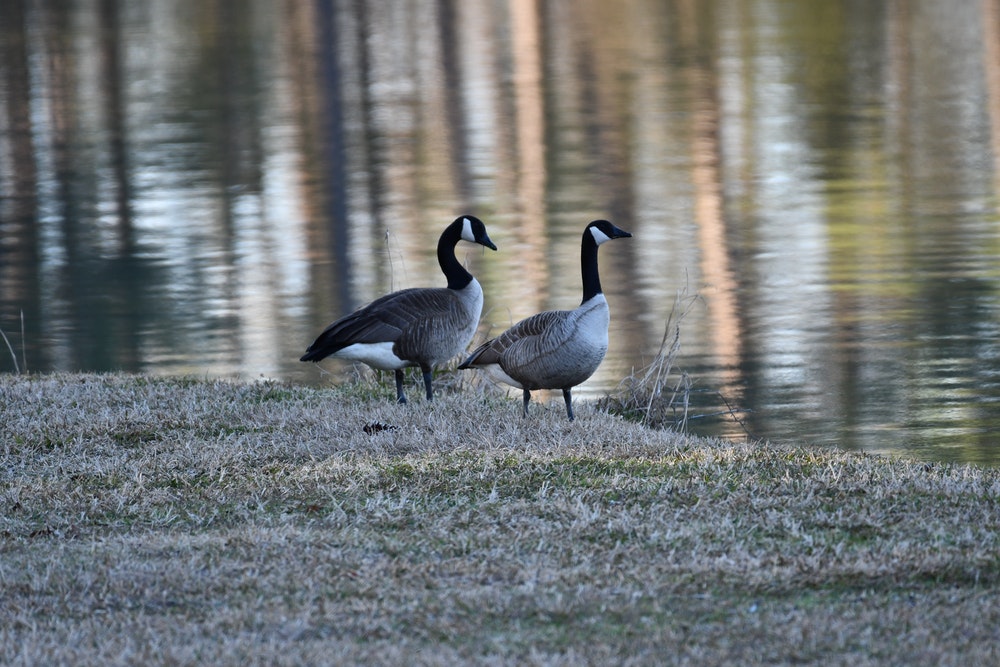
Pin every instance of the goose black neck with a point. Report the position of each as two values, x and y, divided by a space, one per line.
588 267
453 270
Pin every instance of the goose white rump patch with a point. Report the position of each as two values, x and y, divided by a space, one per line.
376 355
497 374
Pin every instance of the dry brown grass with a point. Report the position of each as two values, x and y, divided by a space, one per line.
152 521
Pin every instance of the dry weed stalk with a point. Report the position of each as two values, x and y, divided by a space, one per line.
10 348
649 394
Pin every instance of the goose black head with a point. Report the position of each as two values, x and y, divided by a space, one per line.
474 230
602 230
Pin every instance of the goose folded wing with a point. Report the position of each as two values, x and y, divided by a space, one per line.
521 344
381 321
392 316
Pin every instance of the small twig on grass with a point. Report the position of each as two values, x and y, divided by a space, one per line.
732 412
24 354
683 389
10 348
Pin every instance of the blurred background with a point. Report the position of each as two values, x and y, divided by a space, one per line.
197 187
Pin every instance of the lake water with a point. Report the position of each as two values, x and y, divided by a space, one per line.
198 188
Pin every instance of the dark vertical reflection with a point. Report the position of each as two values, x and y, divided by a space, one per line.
124 280
335 163
117 140
374 160
74 188
92 321
604 88
235 129
228 58
454 110
238 117
19 242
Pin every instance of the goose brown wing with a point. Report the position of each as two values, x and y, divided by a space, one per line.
384 320
440 327
525 341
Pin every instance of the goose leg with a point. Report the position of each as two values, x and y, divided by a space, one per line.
428 376
400 396
568 397
527 398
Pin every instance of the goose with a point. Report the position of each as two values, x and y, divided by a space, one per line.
556 349
420 326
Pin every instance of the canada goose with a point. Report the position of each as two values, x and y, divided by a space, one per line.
421 326
556 349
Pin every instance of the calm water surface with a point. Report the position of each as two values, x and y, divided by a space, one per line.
199 187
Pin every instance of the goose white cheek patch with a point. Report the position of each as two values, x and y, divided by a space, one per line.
467 233
599 236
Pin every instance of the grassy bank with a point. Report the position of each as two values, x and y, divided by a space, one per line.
151 521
